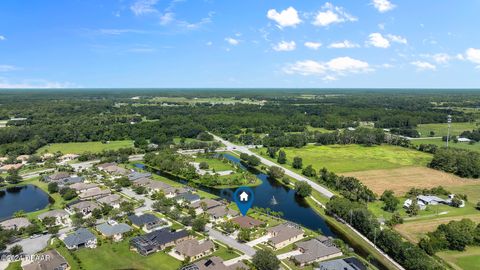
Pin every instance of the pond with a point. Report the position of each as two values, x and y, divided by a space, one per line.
28 198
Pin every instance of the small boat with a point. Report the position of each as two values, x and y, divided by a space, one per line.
273 201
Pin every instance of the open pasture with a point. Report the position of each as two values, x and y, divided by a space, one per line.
400 180
442 129
82 147
352 158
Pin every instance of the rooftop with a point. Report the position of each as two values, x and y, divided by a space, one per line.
79 237
192 247
109 230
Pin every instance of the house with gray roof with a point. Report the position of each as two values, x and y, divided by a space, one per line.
315 250
221 213
138 175
158 240
147 222
15 223
351 263
62 217
115 231
207 203
194 249
187 197
56 177
432 200
80 238
71 180
81 187
53 261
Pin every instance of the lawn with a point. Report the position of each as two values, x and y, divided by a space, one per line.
224 253
119 256
440 143
349 158
215 164
472 191
81 147
442 129
14 266
468 259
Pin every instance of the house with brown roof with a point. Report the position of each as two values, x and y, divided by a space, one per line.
52 261
316 250
194 249
284 234
81 187
113 199
8 167
205 203
247 222
85 207
221 213
62 217
15 223
93 193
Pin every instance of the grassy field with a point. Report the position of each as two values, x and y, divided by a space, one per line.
414 231
119 256
440 143
442 129
81 147
224 253
349 158
472 191
400 180
14 266
211 100
466 260
215 164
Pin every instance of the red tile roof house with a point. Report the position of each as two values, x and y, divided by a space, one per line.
247 222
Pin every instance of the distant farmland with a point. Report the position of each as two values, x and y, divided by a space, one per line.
82 147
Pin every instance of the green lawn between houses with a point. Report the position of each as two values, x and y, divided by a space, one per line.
442 129
215 164
349 158
81 147
438 142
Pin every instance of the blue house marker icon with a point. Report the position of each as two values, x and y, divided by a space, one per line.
243 197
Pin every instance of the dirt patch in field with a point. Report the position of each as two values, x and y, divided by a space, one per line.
415 230
402 179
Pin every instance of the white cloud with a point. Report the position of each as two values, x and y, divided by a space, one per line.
167 18
284 18
383 5
209 43
142 7
7 68
5 83
330 70
331 14
285 46
2 37
441 58
397 39
312 45
232 41
377 40
473 55
422 65
346 44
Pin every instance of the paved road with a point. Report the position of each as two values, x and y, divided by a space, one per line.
214 234
232 147
289 254
35 174
32 246
148 202
322 190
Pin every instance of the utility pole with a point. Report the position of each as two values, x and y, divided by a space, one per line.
449 121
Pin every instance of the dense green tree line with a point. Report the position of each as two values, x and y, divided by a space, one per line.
356 214
461 162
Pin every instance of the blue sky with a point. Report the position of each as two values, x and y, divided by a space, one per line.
250 43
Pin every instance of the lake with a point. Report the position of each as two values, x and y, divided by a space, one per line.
28 198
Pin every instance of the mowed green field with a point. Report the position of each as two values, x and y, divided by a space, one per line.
440 143
350 158
467 260
442 129
118 256
82 147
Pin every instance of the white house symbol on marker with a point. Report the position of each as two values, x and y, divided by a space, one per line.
244 197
